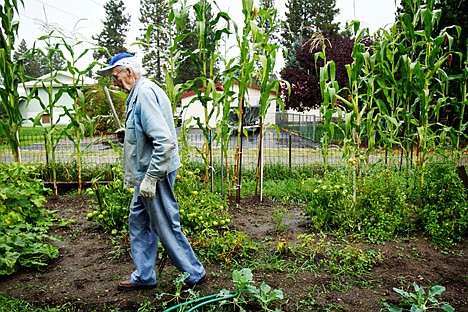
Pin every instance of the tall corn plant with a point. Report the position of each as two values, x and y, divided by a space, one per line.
52 133
392 89
328 88
223 131
10 72
461 131
425 55
397 86
80 122
173 56
58 44
266 58
352 109
246 68
209 34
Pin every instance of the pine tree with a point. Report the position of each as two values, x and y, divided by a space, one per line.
57 62
33 61
113 36
154 12
31 66
305 17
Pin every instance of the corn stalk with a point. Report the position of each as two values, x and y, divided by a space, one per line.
10 74
266 58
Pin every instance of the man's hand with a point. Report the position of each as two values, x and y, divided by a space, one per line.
120 134
148 187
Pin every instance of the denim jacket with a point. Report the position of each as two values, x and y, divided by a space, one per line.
150 145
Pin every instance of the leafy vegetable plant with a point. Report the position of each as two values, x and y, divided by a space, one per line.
24 222
420 301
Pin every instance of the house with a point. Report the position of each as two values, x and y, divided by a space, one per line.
29 111
192 108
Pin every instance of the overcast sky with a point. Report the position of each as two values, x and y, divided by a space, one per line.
85 17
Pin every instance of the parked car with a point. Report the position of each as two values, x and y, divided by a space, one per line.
250 120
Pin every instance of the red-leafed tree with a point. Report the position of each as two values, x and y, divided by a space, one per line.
303 73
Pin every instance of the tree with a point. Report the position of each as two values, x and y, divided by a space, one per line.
303 75
57 62
305 17
113 36
154 12
35 63
32 66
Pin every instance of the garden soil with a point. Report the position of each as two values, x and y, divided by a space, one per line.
90 266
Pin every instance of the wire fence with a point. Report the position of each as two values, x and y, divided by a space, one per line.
296 144
287 148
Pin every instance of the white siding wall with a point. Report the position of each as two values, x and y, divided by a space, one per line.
195 109
34 108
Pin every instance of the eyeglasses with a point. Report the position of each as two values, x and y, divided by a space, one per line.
114 77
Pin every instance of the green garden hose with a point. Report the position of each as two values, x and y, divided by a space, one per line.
203 301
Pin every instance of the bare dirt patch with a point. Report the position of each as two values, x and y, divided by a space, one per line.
90 266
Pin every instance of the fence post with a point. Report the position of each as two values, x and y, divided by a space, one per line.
45 147
290 151
222 163
313 131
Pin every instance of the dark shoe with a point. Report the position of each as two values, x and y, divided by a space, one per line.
199 282
127 285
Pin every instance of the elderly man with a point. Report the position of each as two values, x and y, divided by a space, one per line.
150 161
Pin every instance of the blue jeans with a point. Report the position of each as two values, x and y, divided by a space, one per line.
158 218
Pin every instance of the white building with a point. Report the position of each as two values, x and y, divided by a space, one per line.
192 108
29 111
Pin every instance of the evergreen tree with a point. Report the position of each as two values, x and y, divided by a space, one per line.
57 62
32 65
113 36
34 61
304 18
154 12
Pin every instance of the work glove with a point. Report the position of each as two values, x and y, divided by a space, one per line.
148 187
120 134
